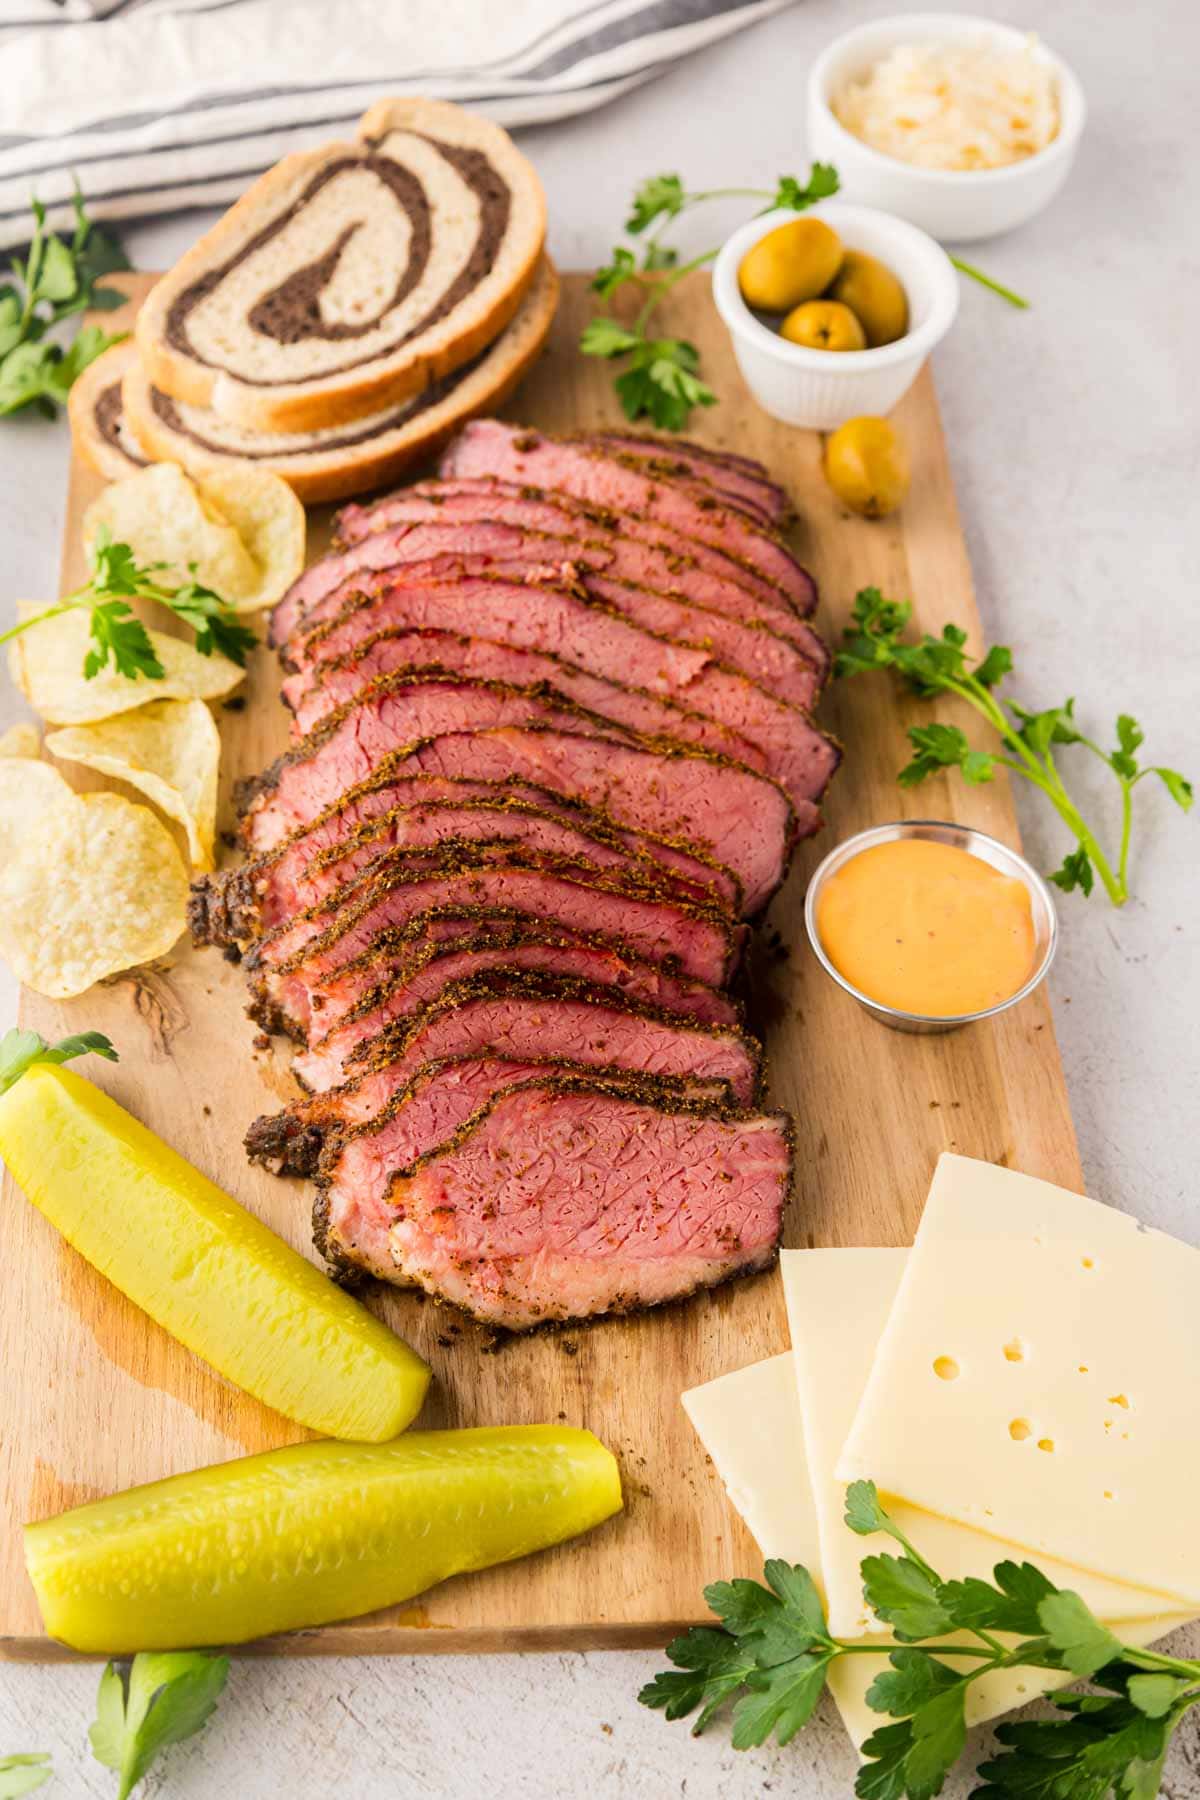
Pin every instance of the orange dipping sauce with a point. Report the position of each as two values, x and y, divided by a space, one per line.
927 928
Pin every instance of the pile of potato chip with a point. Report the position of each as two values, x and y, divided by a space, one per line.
94 883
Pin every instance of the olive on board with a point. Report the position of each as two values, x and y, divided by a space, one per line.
794 262
866 465
874 296
824 325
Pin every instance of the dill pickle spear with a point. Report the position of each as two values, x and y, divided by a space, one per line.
311 1533
207 1270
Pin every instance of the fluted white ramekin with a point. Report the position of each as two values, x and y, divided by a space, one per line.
957 206
821 389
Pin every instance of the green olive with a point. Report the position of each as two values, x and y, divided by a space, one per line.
866 465
795 262
873 294
823 325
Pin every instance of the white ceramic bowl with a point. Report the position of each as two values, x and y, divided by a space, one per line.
821 389
955 206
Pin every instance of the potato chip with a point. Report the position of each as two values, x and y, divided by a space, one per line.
30 790
22 739
268 518
243 529
47 666
92 886
170 749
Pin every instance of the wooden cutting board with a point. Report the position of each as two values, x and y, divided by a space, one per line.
95 1397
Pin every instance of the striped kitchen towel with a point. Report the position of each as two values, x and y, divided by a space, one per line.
159 104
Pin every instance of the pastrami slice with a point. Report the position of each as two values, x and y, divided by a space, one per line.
516 1014
521 1012
235 906
740 481
564 1200
744 820
394 711
352 1212
791 664
484 522
352 1009
698 942
490 497
322 689
513 453
551 619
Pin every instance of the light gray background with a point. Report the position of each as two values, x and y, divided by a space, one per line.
1074 431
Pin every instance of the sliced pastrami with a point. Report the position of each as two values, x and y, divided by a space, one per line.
357 1005
565 1200
524 1016
352 1214
318 691
286 968
513 453
577 630
234 906
394 712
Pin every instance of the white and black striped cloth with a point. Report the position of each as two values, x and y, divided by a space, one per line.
160 104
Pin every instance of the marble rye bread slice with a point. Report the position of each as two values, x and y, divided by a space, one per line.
332 461
348 278
100 431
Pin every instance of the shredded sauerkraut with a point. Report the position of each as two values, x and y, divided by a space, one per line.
956 106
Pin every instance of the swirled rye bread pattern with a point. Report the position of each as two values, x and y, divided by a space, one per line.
349 278
100 431
120 421
332 461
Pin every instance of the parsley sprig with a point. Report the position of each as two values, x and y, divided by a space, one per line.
57 279
163 1697
941 666
771 1651
119 637
20 1049
661 379
21 1774
160 1698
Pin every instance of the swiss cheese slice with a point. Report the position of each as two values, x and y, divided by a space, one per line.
1037 1379
742 1421
749 1424
838 1303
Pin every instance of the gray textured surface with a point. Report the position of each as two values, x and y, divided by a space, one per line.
1074 433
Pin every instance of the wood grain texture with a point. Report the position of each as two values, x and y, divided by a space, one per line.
97 1398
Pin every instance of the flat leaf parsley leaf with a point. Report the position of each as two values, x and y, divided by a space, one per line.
55 280
769 1654
1028 739
21 1774
661 381
118 635
20 1049
166 1697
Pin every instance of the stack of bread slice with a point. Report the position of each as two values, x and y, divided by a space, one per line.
357 305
